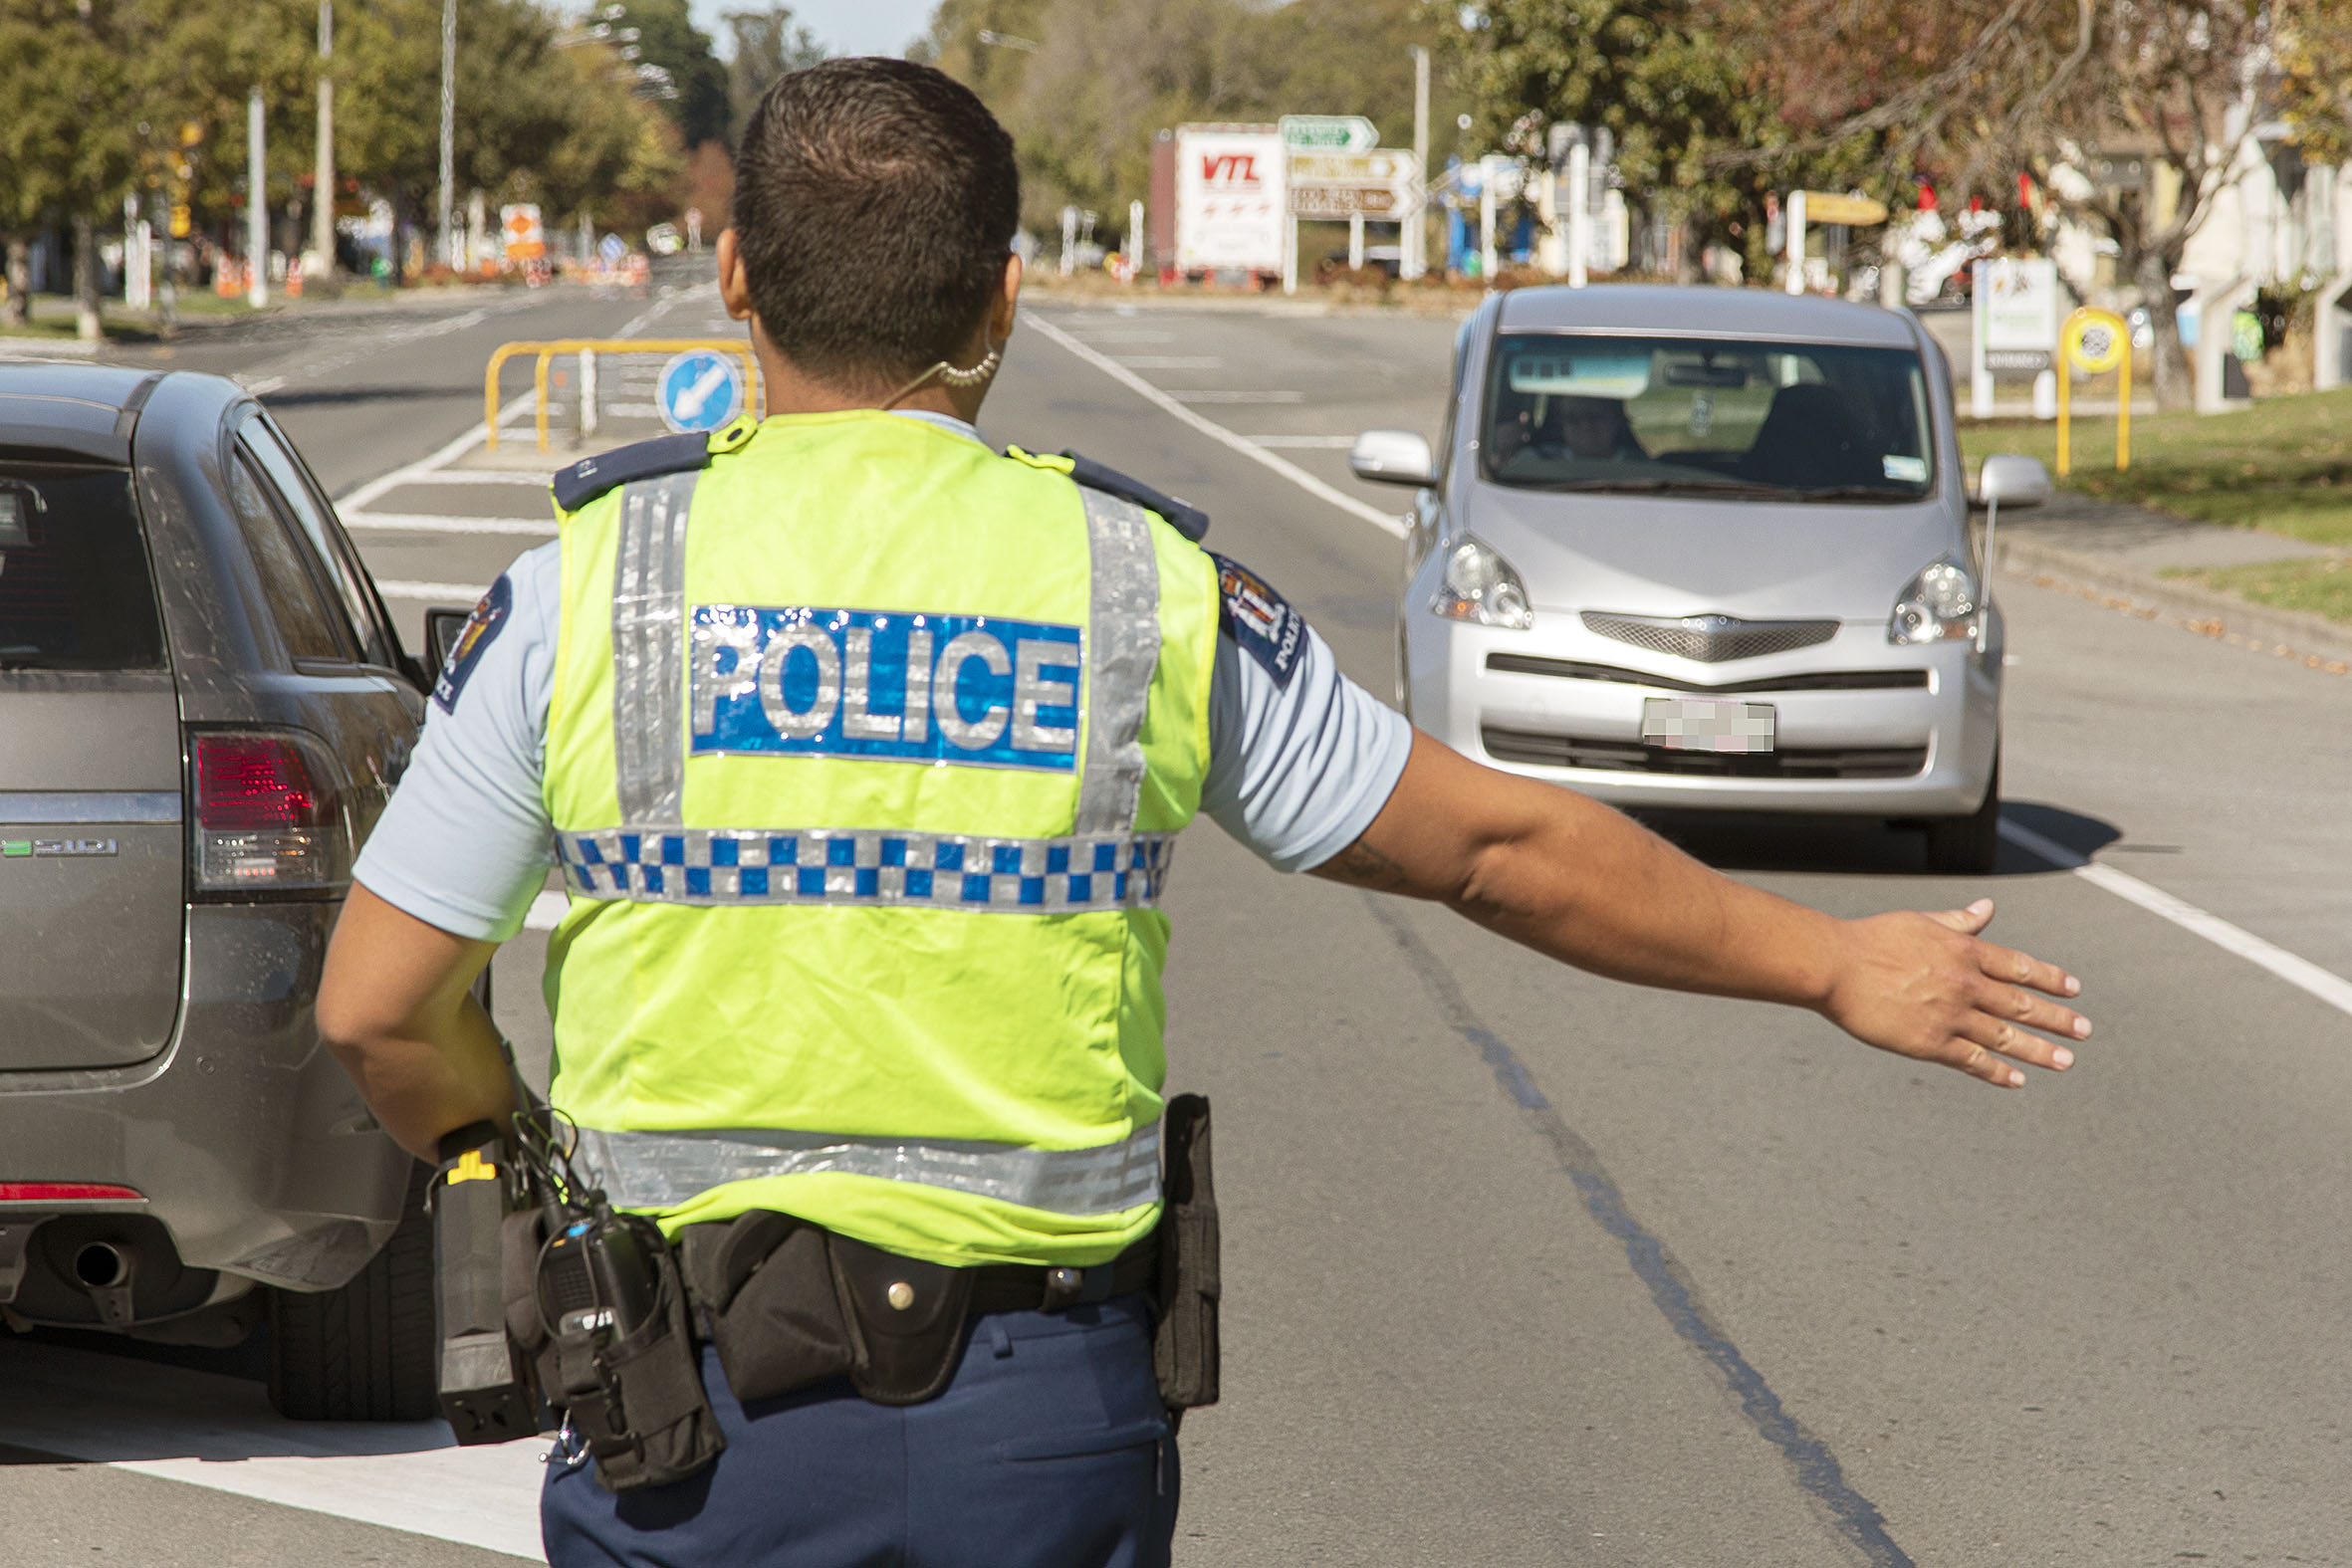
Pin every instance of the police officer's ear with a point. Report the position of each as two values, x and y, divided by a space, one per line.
1001 311
735 284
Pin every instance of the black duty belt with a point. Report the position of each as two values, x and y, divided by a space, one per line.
1020 1287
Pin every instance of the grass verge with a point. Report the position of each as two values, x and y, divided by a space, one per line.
2321 584
2283 466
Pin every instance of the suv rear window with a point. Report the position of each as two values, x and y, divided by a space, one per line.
75 591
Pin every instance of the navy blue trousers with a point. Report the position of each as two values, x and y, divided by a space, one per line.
1048 1450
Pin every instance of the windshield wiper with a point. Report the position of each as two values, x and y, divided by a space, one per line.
1658 487
1853 493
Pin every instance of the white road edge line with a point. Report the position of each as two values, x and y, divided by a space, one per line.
1217 432
2300 973
439 523
451 594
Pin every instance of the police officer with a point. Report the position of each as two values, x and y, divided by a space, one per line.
863 749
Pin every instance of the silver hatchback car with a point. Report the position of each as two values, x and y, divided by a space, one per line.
1707 547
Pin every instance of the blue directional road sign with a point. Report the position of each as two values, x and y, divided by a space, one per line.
699 390
613 250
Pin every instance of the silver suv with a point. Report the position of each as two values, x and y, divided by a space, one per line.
203 708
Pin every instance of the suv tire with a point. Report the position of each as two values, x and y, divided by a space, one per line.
1968 845
368 1351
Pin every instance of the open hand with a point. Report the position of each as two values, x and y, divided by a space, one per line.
1924 986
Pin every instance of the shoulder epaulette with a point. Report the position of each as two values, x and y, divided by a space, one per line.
591 477
1182 515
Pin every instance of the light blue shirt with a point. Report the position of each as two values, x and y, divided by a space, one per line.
1298 768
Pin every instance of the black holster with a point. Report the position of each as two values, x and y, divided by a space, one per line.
1184 1351
636 1397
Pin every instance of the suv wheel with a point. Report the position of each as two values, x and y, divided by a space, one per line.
366 1352
1968 845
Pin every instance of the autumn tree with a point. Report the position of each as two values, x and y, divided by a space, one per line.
768 44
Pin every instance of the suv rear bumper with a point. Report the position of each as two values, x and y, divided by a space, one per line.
247 1141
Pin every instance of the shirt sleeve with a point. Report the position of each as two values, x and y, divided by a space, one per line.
465 843
1300 758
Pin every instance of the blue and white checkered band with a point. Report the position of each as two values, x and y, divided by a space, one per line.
734 866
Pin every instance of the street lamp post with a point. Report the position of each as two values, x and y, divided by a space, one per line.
448 120
257 207
323 182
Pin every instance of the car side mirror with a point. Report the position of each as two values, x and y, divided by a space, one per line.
442 628
1392 457
2013 480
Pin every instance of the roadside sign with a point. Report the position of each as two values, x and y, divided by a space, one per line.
700 389
2020 303
1377 183
2097 341
525 239
612 248
1339 133
1229 197
1826 206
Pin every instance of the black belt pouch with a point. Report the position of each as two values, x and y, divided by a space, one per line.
766 1288
638 1401
1184 1345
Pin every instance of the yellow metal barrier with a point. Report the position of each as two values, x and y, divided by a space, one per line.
546 351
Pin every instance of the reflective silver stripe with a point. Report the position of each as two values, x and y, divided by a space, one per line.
650 648
25 807
663 1169
866 866
1123 641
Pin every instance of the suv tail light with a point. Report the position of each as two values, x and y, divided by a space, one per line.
268 816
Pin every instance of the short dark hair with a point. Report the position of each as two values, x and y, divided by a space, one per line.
875 201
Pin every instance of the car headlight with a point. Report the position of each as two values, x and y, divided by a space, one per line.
1941 605
1479 585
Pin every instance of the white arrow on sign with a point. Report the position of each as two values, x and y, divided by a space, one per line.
690 401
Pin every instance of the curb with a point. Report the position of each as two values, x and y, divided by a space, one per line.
2312 640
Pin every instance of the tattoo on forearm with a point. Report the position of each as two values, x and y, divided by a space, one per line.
1360 865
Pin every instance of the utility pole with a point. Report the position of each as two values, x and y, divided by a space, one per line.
448 120
1579 211
1409 262
257 207
322 184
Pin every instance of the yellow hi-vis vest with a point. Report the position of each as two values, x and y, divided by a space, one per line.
866 754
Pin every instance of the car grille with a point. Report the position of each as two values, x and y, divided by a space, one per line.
1811 681
1710 639
1535 748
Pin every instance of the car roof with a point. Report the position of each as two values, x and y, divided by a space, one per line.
1667 311
71 411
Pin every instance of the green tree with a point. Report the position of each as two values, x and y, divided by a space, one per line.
668 41
768 45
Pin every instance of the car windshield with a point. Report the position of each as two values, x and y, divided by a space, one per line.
1762 421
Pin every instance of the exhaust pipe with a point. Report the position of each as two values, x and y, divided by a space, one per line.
106 1271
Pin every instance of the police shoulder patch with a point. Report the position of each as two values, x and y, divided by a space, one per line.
591 477
1261 621
488 621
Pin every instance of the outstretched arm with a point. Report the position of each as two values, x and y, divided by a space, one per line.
1587 885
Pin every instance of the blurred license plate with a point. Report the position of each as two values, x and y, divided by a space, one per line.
1679 724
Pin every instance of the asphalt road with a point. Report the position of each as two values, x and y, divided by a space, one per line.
1524 1267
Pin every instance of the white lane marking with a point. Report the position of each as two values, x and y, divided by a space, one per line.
482 476
2300 973
1309 443
430 462
219 1432
265 386
1189 396
1217 432
1171 361
436 522
452 594
545 910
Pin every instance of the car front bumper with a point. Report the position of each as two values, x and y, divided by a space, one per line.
1862 727
244 1138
